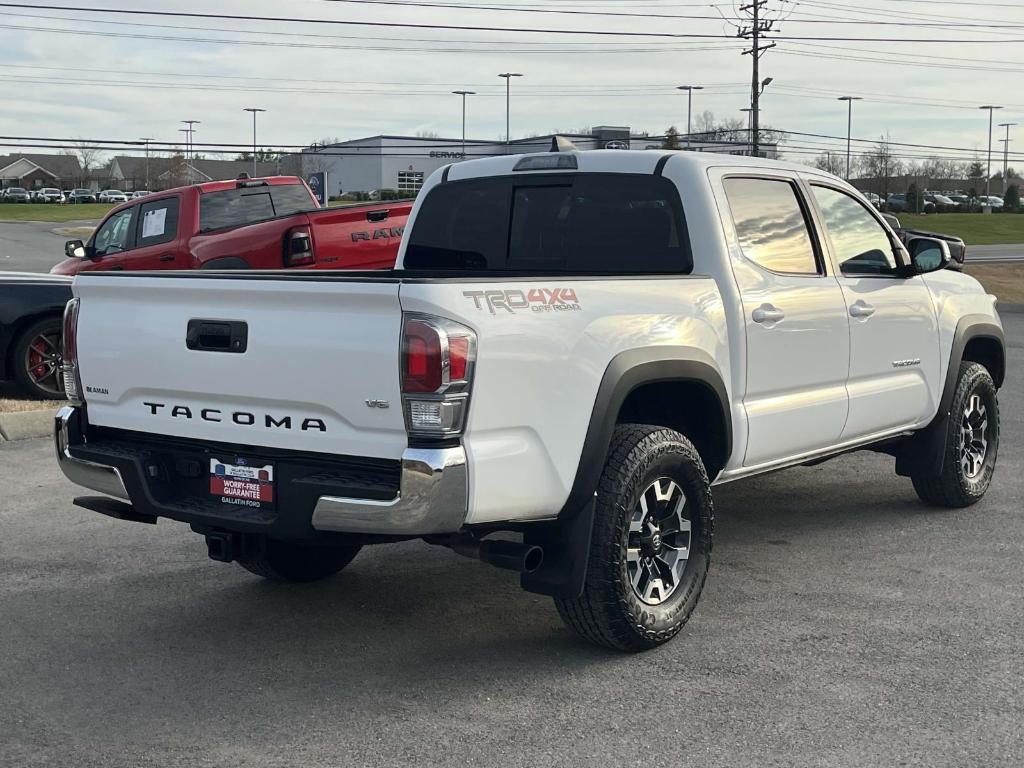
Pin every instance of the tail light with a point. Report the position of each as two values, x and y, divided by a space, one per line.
69 353
438 356
298 247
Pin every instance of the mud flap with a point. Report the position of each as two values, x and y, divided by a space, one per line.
566 544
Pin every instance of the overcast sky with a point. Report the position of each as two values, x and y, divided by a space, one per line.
111 76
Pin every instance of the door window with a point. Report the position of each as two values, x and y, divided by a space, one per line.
860 244
115 234
158 222
771 225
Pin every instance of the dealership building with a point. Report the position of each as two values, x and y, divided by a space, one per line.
404 162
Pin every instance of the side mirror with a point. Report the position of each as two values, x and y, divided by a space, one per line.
75 249
928 254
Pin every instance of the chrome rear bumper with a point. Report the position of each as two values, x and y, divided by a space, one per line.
98 477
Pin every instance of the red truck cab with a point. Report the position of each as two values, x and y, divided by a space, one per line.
265 223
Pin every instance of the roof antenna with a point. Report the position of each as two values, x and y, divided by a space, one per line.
562 144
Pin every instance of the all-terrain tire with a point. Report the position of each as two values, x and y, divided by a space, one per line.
610 612
294 562
955 486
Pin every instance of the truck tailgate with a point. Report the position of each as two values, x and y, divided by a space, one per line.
316 350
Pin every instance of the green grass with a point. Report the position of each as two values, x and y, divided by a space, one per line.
974 228
52 212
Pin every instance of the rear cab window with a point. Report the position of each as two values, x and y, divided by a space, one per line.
249 205
575 223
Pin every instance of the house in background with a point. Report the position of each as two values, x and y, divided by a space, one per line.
38 171
128 172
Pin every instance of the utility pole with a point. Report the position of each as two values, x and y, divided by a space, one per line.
689 106
508 106
188 146
988 168
147 139
849 126
464 94
753 33
1006 153
255 111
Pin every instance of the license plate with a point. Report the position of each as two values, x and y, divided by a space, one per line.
242 483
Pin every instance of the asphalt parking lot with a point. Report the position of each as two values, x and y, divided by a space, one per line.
843 624
32 246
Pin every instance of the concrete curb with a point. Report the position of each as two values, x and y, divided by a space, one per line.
26 424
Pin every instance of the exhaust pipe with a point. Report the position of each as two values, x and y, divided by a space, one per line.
522 558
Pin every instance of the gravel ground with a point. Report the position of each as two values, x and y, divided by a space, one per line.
843 624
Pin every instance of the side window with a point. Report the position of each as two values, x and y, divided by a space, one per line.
861 245
771 225
158 222
114 234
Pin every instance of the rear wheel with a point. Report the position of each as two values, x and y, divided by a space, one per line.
37 360
971 444
296 562
651 545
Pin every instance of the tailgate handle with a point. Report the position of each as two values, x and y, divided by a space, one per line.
217 336
377 215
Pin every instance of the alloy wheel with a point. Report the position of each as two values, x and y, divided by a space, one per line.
43 362
973 436
658 544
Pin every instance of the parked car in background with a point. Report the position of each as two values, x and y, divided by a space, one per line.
962 202
81 196
270 223
996 203
112 196
16 195
898 203
31 311
48 195
139 193
875 200
957 247
942 203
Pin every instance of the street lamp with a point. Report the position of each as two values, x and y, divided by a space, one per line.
508 104
988 172
1006 152
849 125
464 94
755 113
750 127
689 106
147 139
255 111
188 146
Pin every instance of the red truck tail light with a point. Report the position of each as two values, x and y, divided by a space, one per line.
437 375
69 353
298 247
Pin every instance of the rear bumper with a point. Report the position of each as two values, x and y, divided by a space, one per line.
425 493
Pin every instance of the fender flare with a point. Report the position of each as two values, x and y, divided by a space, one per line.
226 262
925 450
566 540
626 372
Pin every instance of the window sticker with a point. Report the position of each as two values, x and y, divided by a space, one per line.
154 222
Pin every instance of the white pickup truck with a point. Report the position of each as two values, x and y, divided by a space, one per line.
574 348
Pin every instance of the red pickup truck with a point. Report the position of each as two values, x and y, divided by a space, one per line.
266 223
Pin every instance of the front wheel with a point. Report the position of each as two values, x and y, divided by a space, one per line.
651 545
971 444
296 562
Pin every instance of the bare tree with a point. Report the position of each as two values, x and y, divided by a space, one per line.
89 157
831 162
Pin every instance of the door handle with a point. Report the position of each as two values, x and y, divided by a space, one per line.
860 309
167 257
767 313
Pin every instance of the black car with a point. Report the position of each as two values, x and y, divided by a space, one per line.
81 196
31 313
957 247
16 195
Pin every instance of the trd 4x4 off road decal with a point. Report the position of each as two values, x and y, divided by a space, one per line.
532 299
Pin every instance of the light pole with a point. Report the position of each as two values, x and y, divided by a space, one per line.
689 106
464 94
188 146
750 127
755 111
1006 152
849 126
255 111
147 139
508 105
988 169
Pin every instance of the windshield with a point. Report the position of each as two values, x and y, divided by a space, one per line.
15 189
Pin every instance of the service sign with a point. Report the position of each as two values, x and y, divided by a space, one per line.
242 483
318 185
